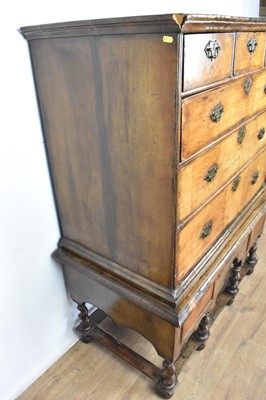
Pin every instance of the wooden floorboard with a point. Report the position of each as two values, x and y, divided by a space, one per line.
232 367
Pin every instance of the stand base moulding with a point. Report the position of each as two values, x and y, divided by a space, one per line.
154 130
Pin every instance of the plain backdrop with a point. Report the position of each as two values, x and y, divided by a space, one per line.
36 313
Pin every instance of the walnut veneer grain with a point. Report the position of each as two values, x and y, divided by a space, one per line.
154 129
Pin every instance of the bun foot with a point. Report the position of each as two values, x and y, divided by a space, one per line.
201 347
250 271
167 380
230 301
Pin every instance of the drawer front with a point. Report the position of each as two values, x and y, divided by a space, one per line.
256 232
225 272
216 286
209 115
251 179
203 176
207 58
249 52
204 228
191 323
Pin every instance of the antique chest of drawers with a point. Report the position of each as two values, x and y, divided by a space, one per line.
155 134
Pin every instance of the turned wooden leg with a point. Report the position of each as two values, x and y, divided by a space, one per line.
232 287
252 259
167 380
202 333
84 327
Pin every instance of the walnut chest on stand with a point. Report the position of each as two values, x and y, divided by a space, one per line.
155 134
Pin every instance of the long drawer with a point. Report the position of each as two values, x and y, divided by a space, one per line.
200 233
209 115
203 176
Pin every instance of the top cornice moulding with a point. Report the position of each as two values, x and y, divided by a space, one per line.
168 23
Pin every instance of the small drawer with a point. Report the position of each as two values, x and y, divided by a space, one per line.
249 52
207 58
191 323
209 115
203 176
201 232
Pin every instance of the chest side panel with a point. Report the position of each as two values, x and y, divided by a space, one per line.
111 151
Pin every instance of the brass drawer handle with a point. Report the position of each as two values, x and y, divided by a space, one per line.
212 49
261 133
247 85
206 230
252 45
236 183
211 173
254 178
241 134
216 112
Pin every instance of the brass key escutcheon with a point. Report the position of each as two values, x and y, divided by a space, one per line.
247 85
241 134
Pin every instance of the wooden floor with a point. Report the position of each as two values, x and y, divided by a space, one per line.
232 367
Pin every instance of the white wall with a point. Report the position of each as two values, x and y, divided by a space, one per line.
36 315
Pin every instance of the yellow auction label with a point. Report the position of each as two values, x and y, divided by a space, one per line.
168 39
